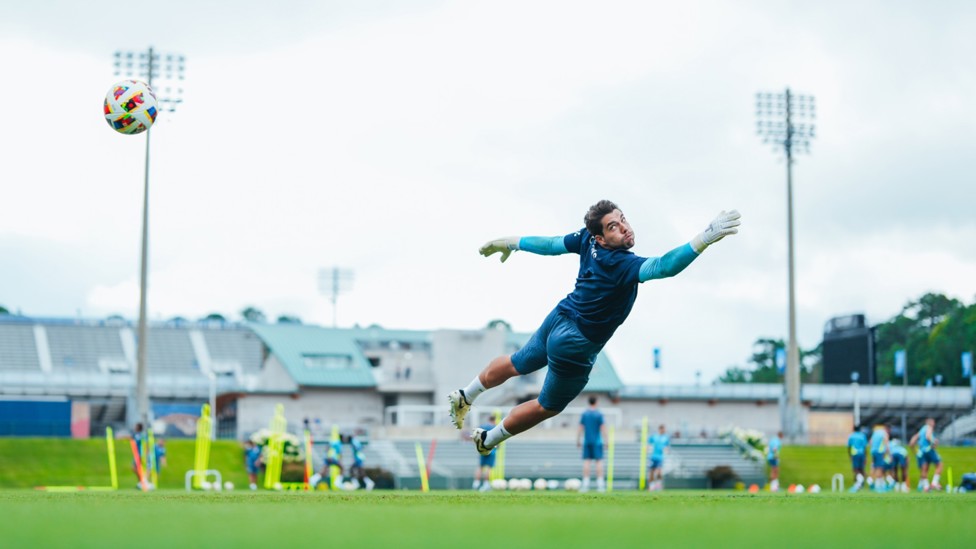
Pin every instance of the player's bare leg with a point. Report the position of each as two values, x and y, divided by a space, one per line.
498 371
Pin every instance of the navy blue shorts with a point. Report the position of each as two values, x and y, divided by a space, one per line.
558 344
487 461
857 462
773 462
899 460
931 457
593 450
878 460
657 463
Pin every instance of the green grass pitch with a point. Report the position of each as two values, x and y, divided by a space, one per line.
468 519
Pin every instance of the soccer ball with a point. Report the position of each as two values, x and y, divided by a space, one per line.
799 488
130 107
276 486
573 484
514 484
525 484
205 485
815 489
540 484
499 484
228 485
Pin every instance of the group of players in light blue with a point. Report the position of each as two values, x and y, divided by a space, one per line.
889 459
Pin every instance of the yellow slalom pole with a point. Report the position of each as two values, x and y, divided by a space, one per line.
110 442
498 471
610 444
152 459
422 465
949 480
201 457
334 469
642 475
308 459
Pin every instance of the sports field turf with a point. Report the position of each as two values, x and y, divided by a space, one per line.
467 519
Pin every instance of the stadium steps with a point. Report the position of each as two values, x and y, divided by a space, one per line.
559 460
17 348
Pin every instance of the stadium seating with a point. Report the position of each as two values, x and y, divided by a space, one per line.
17 348
455 461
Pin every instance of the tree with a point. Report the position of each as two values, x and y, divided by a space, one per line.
253 314
933 331
499 324
764 369
216 317
3 310
289 319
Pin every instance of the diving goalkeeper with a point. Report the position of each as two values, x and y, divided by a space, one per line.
575 332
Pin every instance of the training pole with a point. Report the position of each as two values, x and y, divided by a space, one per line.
642 475
430 456
308 459
276 445
610 444
949 479
498 471
422 467
201 459
110 442
153 475
334 469
139 470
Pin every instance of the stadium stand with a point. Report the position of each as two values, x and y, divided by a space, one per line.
454 461
18 350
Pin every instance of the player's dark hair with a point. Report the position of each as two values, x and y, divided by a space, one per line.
591 400
594 216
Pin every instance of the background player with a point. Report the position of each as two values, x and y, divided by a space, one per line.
925 438
857 446
482 475
772 458
899 464
252 462
593 432
575 332
660 444
879 455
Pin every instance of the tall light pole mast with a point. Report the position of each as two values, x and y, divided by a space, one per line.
169 68
785 120
334 281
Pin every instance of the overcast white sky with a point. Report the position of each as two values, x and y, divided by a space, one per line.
394 138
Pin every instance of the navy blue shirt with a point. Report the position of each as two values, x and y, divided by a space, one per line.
606 286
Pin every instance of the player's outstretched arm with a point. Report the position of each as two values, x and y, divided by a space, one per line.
677 259
541 245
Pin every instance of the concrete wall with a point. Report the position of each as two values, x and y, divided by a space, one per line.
458 356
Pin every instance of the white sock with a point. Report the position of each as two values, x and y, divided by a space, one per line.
586 483
497 435
475 484
473 389
935 478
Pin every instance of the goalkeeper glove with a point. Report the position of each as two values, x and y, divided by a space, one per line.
722 226
503 245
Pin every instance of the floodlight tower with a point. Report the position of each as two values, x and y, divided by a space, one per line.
334 281
168 68
785 120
